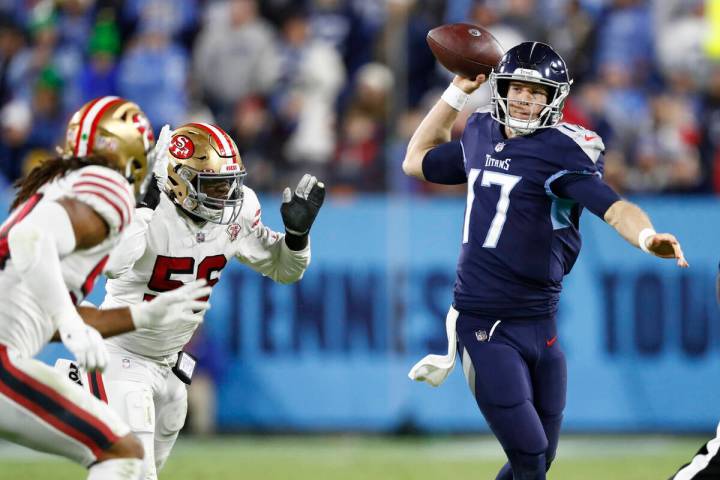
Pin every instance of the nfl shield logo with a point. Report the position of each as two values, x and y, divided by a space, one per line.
200 237
233 231
481 336
499 146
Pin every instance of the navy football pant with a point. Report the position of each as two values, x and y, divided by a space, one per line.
517 373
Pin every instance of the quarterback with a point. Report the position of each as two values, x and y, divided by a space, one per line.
529 176
67 216
194 219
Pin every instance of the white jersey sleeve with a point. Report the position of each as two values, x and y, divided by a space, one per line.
132 245
265 250
106 192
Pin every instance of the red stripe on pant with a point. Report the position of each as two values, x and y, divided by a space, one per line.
48 416
97 386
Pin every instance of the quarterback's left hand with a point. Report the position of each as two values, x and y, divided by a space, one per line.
665 245
300 208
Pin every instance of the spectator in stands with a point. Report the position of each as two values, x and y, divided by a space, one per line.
235 56
13 57
311 75
99 76
153 73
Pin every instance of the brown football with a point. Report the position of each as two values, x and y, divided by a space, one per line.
464 49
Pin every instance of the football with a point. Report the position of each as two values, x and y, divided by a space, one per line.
464 49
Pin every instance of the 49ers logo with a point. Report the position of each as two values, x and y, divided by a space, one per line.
182 147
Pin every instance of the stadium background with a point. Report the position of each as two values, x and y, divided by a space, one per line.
336 87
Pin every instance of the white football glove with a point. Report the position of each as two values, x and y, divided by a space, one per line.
160 158
84 342
174 307
157 160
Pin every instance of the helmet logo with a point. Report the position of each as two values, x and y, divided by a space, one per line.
474 32
143 126
233 231
182 147
232 167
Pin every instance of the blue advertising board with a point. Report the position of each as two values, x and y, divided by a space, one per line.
641 336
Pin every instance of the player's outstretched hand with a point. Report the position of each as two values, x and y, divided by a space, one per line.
182 305
300 208
84 342
468 85
157 163
665 245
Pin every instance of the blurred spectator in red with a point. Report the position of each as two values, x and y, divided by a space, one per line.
360 160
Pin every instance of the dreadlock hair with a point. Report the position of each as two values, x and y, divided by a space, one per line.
49 170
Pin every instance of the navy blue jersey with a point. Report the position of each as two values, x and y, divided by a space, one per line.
520 237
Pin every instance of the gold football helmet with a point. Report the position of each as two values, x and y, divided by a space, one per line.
205 173
117 129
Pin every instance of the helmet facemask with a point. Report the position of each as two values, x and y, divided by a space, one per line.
550 113
214 197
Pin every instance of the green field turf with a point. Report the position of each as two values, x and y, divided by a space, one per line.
380 458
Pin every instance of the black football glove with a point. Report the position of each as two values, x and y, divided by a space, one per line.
151 198
300 208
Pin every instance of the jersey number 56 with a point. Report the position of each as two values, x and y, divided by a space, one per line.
165 267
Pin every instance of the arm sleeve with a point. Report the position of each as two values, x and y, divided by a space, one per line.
445 164
586 189
265 250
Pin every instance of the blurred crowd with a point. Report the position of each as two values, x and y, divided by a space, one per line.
336 87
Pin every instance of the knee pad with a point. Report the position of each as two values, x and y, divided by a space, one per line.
171 417
140 411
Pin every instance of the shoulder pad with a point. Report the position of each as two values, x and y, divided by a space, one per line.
589 141
251 210
107 192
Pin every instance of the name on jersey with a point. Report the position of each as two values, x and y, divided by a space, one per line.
494 162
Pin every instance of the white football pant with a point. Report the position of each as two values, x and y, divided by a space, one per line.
151 399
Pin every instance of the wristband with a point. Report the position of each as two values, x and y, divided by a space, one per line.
645 233
455 97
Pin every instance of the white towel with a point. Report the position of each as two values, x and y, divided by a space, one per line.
434 369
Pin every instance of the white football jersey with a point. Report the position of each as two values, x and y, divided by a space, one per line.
23 325
163 249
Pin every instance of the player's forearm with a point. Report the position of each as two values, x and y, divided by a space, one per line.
109 323
628 220
434 130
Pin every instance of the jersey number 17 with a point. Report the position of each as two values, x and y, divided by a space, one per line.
489 178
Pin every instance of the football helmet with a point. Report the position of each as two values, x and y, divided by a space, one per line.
116 129
205 173
532 62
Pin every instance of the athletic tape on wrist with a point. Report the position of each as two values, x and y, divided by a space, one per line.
455 97
645 233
